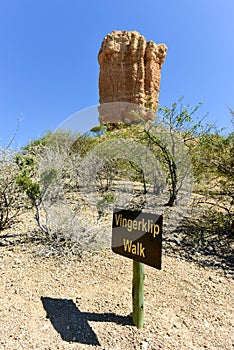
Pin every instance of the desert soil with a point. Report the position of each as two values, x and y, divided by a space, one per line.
72 302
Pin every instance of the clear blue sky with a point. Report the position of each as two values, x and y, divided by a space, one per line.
49 48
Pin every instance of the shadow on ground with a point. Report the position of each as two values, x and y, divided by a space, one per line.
73 325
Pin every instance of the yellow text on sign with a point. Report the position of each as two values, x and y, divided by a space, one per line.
138 225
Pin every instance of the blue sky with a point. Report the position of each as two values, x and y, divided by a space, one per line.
49 48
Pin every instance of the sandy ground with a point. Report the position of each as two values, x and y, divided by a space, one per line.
85 303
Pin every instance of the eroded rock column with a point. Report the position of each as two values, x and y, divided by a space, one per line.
129 74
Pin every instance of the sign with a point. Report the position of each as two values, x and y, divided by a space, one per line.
138 236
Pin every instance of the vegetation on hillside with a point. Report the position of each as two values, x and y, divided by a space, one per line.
46 174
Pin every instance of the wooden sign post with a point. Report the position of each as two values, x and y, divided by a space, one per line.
138 236
138 294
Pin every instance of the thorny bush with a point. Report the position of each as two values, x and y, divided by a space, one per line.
12 199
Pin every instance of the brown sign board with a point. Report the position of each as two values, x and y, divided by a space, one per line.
138 236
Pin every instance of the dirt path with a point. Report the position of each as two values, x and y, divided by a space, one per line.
69 303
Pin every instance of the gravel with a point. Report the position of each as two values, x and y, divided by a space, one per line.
74 302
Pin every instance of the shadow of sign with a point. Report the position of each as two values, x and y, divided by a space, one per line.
72 324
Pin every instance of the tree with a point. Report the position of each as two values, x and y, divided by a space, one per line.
166 138
11 197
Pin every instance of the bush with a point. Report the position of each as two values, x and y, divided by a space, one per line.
47 175
214 169
12 200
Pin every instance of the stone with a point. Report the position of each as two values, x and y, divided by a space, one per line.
154 58
130 73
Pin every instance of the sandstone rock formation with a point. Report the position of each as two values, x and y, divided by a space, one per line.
129 74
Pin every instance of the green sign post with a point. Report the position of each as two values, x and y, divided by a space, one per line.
138 236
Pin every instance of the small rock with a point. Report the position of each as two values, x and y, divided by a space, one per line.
17 261
144 345
78 298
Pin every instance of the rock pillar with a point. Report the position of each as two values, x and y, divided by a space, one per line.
129 75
